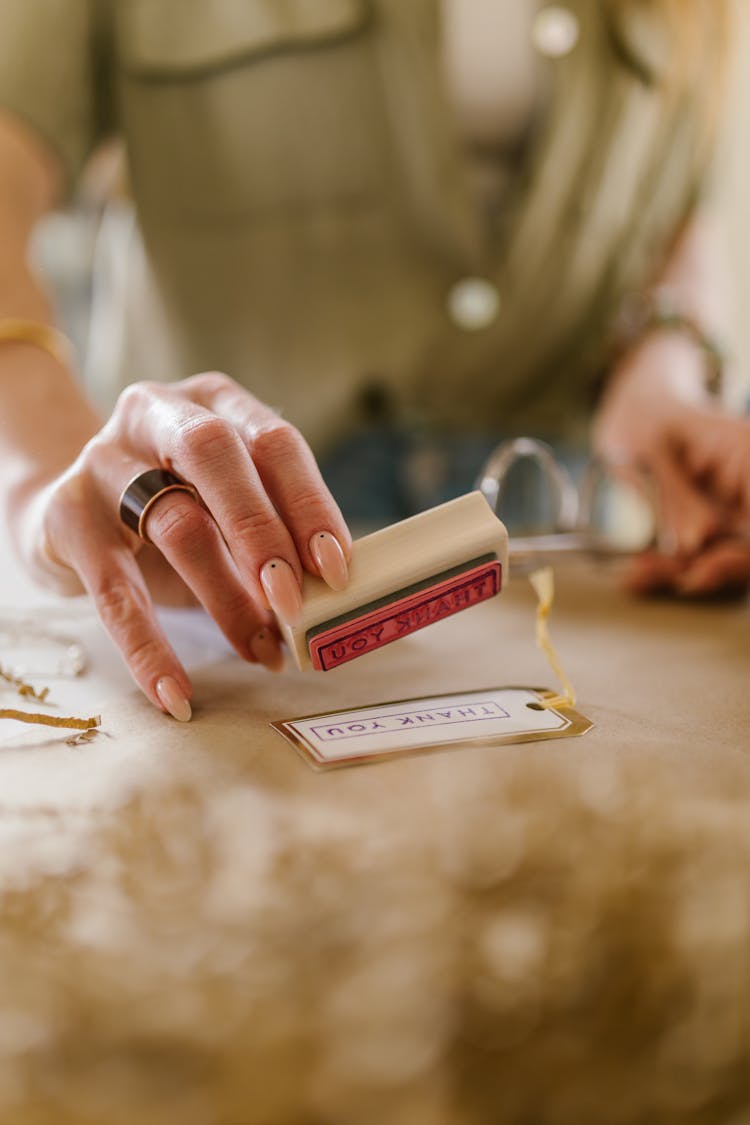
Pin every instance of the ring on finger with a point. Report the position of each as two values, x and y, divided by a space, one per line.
141 493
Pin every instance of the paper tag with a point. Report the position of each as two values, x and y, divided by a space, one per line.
493 716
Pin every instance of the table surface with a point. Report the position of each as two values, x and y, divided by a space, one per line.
410 940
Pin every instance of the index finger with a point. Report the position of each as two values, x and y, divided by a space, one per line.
286 466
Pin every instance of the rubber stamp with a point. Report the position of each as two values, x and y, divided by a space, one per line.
402 579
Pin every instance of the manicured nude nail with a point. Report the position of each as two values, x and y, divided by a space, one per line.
173 699
281 587
267 650
330 559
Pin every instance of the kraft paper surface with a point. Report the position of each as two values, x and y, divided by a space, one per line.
197 927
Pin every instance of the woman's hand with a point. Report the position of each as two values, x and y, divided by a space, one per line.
264 516
656 417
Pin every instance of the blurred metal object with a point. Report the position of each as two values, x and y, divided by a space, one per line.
572 530
493 477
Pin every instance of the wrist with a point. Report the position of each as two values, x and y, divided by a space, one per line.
659 317
665 365
661 374
653 386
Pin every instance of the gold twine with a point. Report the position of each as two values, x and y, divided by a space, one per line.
543 582
50 720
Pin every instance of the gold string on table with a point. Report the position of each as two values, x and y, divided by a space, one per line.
86 727
69 721
22 687
543 581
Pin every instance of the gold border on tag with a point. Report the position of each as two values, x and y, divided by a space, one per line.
576 724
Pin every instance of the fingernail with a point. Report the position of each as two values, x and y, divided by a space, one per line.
173 699
267 650
281 587
330 559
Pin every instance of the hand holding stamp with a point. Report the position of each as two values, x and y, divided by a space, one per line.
402 579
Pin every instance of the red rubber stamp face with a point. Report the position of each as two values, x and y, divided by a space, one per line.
409 611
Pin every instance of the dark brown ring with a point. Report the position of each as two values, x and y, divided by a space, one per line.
142 492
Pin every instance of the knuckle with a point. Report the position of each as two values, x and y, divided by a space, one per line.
67 507
309 500
143 653
204 438
68 494
276 440
209 382
119 608
134 396
96 454
179 525
128 398
260 525
125 617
